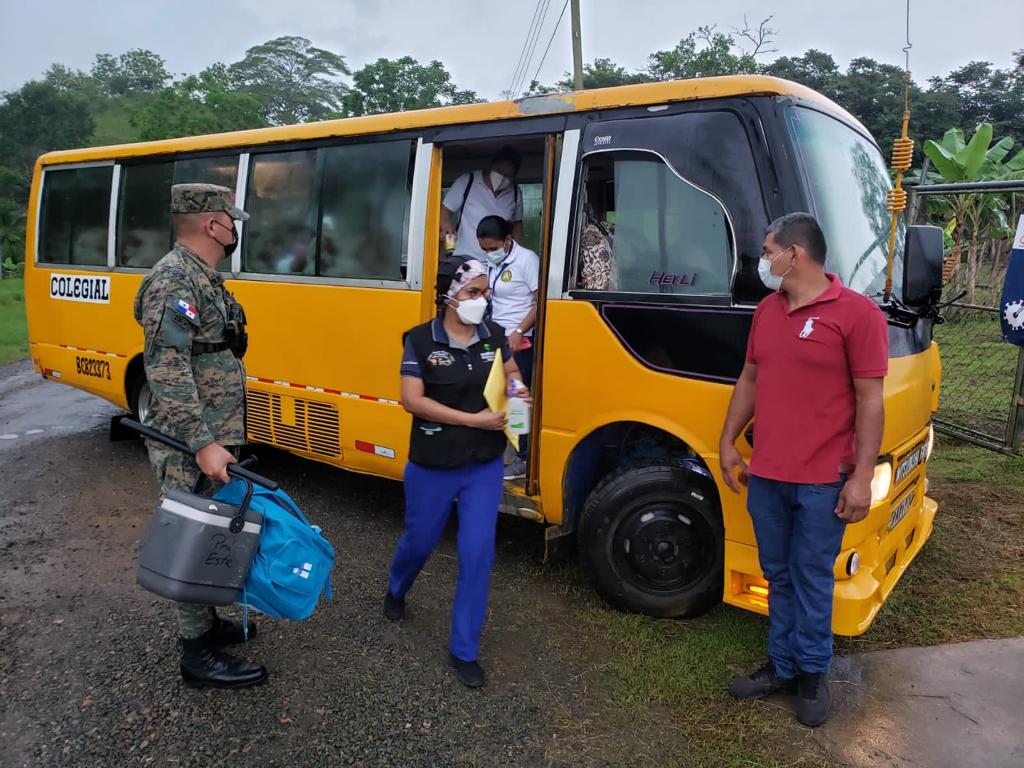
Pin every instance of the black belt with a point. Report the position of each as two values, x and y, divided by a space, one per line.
205 348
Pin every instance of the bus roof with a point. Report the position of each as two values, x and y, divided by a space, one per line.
579 101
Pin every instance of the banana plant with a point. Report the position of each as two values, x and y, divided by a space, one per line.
978 216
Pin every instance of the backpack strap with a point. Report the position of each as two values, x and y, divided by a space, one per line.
465 195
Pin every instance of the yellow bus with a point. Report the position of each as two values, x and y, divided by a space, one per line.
634 372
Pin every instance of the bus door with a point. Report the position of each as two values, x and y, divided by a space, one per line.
469 149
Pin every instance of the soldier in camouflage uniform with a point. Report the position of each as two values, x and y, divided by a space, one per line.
194 341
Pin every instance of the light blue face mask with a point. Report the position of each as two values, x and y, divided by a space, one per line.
772 281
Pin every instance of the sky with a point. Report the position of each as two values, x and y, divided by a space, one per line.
480 42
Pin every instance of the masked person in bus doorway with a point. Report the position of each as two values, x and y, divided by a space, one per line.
816 357
484 193
455 450
194 341
513 274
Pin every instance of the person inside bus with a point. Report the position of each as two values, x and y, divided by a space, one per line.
597 261
479 194
455 450
513 274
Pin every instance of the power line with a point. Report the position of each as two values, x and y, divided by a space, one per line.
533 47
536 74
526 44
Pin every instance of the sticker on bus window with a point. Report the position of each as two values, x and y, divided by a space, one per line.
94 290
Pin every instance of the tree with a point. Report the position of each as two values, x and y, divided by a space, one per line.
815 69
293 80
196 105
135 71
396 85
706 53
977 216
39 118
600 73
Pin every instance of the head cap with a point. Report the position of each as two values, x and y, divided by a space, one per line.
205 198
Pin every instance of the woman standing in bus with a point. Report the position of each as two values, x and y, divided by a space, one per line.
455 451
513 274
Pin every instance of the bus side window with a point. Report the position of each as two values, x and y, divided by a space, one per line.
280 236
75 216
365 198
144 232
646 229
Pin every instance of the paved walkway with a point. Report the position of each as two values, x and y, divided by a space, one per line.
955 706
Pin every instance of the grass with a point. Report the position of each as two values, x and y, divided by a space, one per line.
13 327
664 681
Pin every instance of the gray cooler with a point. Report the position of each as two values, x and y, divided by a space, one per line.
199 550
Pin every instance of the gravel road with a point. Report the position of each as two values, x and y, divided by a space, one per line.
88 661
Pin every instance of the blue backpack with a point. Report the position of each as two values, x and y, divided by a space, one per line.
292 565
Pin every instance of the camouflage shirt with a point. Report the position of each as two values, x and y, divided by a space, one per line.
198 399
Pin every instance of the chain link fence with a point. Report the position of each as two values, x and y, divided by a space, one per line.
981 395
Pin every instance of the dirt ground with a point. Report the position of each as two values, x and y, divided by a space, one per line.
88 661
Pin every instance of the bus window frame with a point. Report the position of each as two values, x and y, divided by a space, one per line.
645 297
114 184
417 164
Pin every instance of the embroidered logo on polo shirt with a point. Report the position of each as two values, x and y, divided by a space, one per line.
488 356
506 276
440 357
808 328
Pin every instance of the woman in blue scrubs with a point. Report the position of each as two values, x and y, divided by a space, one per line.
455 452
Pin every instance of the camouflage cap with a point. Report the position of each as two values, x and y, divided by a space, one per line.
205 198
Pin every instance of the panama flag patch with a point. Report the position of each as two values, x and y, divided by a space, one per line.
187 309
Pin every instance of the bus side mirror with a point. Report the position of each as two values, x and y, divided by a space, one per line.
922 266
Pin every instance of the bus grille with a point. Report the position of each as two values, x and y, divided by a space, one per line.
293 423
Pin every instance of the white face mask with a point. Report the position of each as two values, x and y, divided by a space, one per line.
496 257
471 311
771 281
498 182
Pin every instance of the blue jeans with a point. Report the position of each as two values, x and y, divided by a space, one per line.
798 540
429 499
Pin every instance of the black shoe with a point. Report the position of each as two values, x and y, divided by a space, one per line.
470 673
205 667
764 682
814 700
226 632
394 607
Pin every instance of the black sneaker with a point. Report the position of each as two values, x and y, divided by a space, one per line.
394 607
470 673
764 682
814 701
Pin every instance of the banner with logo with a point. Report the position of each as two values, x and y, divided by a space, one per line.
1012 304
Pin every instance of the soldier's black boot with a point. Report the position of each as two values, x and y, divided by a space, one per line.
203 666
227 632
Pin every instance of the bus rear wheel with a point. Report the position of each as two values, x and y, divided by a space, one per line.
141 399
651 539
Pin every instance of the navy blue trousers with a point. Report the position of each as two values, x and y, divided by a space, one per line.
798 540
429 500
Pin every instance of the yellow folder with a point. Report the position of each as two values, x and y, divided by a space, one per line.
496 393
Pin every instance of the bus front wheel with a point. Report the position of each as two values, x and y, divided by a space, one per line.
651 539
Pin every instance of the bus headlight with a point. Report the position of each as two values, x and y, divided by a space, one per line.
931 442
881 483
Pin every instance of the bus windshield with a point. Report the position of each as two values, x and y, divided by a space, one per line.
848 182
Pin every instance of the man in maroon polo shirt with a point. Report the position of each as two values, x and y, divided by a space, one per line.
812 382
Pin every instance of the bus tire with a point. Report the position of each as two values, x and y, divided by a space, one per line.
140 398
652 540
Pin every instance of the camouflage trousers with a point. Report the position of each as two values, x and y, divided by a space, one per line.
174 469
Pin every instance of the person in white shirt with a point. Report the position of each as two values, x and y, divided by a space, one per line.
513 273
479 194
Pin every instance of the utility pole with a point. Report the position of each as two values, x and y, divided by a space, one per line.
577 45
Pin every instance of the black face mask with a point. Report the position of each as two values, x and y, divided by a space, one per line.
230 247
